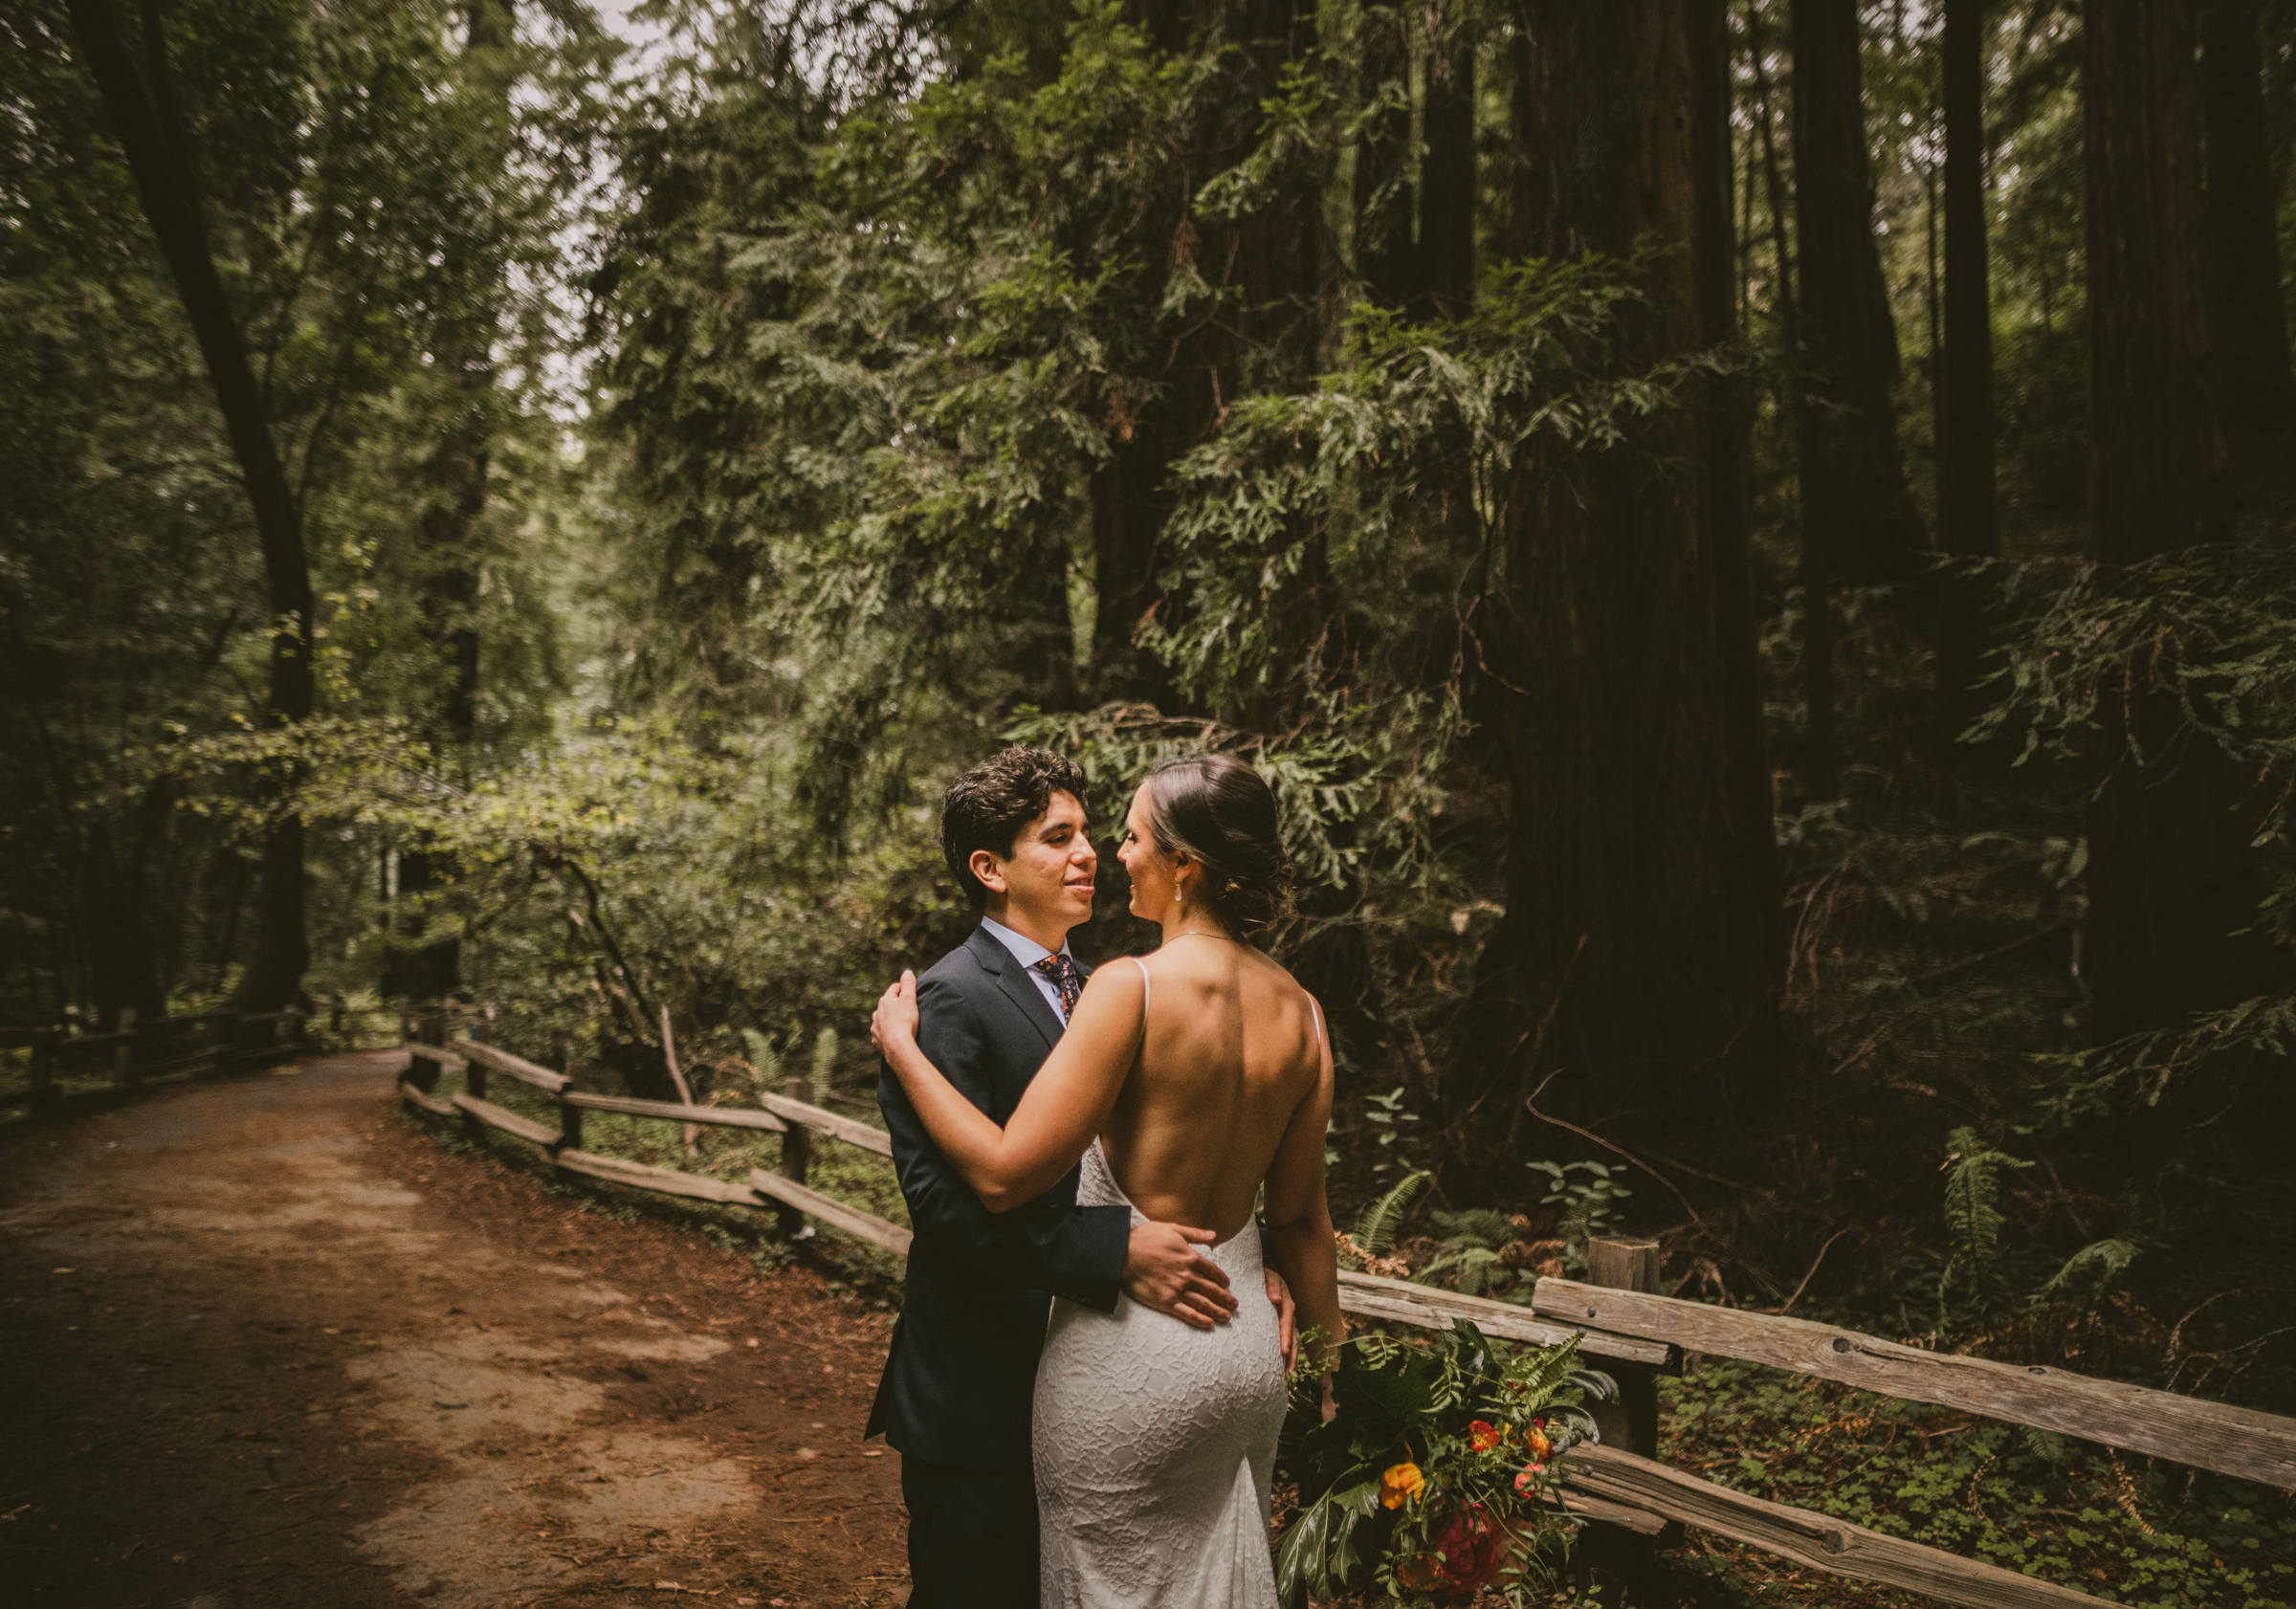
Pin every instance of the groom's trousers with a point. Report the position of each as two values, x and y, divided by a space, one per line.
972 1536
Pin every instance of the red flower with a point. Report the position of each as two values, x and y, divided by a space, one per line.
1483 1437
1526 1481
1474 1546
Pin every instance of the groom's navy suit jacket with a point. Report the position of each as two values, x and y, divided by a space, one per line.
963 1369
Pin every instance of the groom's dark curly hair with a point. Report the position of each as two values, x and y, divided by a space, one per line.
986 807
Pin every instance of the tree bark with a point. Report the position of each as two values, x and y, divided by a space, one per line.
1859 522
1387 258
1966 522
120 968
2170 878
1639 890
155 155
1268 260
1446 172
1751 873
447 535
1818 768
2256 394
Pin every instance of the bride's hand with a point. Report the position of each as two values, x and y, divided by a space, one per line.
895 1021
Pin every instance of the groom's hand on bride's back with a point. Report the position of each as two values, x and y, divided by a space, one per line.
1163 1271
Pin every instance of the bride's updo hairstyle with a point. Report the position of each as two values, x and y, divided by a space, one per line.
1218 811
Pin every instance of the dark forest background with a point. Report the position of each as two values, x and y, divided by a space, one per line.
1753 538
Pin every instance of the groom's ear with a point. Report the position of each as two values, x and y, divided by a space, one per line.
983 866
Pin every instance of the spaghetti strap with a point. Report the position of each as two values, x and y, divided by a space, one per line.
1146 989
1317 1010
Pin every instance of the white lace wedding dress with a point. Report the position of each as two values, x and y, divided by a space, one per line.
1154 1444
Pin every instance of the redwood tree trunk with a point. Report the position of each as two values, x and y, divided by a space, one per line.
2170 878
1270 258
1446 177
1750 875
1966 524
447 538
1387 258
2255 396
1639 906
156 159
1858 519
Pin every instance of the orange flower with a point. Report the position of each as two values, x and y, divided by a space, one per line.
1401 1483
1536 1441
1483 1437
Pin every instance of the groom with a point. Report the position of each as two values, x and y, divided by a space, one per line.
955 1399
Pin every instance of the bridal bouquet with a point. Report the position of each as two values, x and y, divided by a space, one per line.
1427 1484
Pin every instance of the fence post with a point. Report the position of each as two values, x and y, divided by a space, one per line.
797 1152
1619 1263
474 1074
124 1053
569 1116
422 1071
43 1075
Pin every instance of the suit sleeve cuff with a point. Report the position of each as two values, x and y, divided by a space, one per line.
1103 1236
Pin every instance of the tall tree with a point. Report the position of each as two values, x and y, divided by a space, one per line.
156 147
1446 174
2170 877
1859 521
2256 394
1257 271
425 967
1639 894
1966 524
1386 255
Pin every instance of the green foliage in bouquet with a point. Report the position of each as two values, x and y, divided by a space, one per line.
1427 1483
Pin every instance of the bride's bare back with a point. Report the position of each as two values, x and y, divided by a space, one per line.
1231 1051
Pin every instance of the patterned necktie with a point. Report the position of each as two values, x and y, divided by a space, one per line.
1066 981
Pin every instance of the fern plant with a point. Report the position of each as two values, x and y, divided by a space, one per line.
1472 1244
1974 1285
1375 1228
1588 1193
1973 1288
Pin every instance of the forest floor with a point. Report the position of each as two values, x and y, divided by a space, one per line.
269 1344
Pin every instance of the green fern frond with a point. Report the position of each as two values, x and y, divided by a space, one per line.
1474 1263
763 1060
1972 1286
1476 1227
1374 1230
2088 1271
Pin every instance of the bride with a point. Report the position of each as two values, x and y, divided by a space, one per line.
1191 1083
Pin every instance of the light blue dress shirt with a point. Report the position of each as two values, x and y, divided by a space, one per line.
1028 951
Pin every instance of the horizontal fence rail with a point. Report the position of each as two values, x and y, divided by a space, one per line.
1818 1541
68 1070
2254 1446
1634 1333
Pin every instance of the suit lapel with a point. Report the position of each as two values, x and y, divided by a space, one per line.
1013 979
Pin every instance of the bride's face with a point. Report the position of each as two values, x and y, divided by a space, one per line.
1150 869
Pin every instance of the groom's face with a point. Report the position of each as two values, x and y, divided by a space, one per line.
1046 885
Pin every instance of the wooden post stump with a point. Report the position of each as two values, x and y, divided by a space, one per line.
797 1153
124 1055
1620 1262
569 1115
43 1075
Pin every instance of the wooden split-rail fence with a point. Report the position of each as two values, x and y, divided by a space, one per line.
70 1070
1620 1322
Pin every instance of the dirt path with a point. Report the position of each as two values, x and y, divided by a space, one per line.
265 1344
